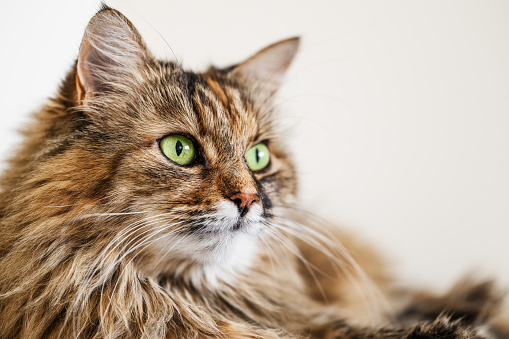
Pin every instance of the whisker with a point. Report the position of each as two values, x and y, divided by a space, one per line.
318 240
100 262
270 252
170 249
108 250
158 33
129 262
309 267
110 214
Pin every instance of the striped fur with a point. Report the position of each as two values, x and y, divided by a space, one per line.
104 237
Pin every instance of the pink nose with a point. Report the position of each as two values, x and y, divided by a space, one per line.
244 201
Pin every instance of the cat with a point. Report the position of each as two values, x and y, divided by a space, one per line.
148 201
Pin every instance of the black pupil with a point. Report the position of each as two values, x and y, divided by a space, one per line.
179 147
257 154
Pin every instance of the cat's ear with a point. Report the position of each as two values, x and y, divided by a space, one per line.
110 50
266 69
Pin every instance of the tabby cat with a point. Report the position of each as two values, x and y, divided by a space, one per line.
148 201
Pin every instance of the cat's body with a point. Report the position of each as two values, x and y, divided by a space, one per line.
104 234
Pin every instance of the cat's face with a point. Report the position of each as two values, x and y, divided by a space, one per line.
193 158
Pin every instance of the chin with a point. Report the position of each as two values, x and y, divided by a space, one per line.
210 251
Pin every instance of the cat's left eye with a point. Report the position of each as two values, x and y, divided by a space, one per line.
178 149
258 157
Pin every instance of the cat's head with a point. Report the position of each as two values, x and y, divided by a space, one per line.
188 165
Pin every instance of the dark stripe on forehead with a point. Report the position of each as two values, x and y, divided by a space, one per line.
190 79
198 101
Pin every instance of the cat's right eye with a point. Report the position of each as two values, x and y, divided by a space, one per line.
178 149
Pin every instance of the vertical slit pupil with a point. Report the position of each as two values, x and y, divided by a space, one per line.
179 147
257 154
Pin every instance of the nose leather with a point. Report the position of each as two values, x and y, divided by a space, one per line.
243 201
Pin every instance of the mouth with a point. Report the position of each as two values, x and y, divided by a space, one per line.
220 227
226 220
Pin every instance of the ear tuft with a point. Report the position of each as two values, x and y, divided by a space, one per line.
110 49
103 6
267 68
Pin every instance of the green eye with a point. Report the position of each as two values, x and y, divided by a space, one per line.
258 157
178 149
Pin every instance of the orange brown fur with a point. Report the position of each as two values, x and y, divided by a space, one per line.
104 237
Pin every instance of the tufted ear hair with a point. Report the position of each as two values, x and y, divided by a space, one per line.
109 52
267 68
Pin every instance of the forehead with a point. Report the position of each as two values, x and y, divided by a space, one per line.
213 111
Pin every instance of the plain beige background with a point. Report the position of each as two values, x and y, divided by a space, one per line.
397 111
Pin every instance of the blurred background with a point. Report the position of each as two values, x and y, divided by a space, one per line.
397 112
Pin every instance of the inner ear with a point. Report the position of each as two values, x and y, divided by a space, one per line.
110 52
267 68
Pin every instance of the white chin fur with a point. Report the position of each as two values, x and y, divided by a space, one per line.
222 250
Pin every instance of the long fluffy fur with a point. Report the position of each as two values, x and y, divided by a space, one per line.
103 237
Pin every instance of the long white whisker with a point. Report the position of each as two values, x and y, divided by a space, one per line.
317 240
270 253
170 249
136 247
347 271
309 267
306 238
108 250
144 237
127 231
99 263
